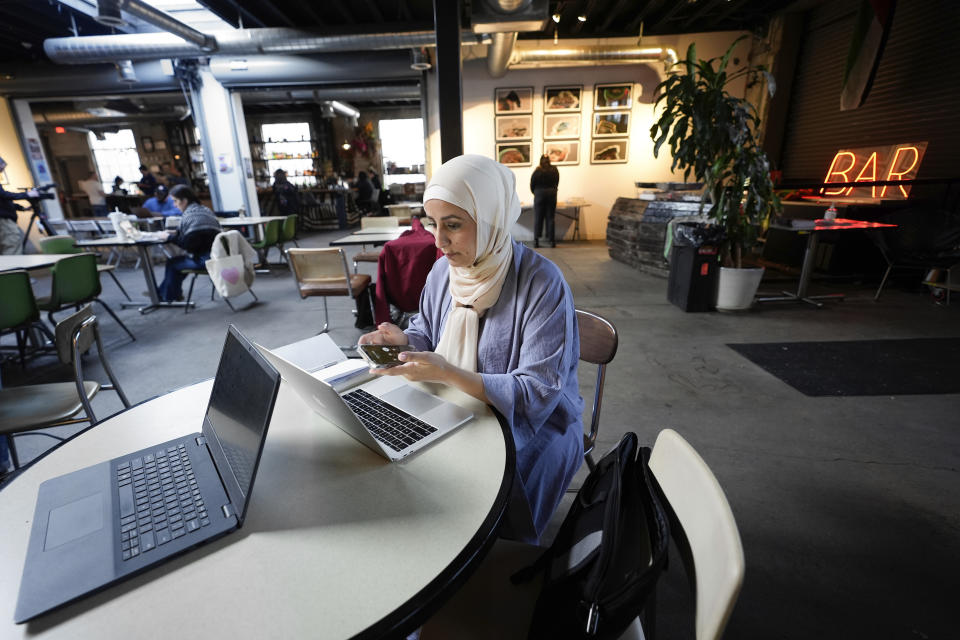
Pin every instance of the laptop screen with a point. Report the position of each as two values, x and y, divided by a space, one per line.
241 404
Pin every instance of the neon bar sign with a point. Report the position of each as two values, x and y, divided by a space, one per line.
895 162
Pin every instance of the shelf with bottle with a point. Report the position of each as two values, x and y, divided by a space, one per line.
290 156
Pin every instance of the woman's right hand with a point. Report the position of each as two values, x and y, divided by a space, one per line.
386 333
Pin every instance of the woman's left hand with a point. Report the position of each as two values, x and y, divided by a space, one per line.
420 366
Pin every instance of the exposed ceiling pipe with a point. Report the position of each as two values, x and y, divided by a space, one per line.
65 118
344 109
499 53
109 13
501 47
257 71
351 93
239 42
589 56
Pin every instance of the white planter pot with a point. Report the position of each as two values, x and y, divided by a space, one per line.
737 287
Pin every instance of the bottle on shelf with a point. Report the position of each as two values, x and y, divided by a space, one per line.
831 213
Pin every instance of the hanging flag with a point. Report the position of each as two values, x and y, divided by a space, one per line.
870 33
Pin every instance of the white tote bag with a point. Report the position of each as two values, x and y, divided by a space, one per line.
227 275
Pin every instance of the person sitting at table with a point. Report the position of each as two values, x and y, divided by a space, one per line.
198 228
497 321
288 198
148 182
160 203
118 189
364 192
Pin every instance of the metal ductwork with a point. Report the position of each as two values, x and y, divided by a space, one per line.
504 19
589 56
499 53
240 42
109 14
74 118
52 80
344 109
258 71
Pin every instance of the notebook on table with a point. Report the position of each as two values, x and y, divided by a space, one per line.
102 524
386 413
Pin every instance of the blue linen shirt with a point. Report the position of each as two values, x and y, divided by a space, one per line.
165 208
527 354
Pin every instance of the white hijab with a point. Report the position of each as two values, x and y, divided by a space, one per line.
486 190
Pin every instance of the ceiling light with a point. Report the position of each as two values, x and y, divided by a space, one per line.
345 145
556 17
582 18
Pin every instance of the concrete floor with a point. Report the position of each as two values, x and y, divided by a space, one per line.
848 507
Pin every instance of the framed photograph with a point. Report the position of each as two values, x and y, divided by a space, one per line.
562 151
514 154
519 127
608 151
147 143
513 100
160 145
612 124
561 125
562 98
613 96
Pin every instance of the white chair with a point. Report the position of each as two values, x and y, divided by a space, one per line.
490 606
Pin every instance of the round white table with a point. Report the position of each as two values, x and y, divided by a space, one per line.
338 542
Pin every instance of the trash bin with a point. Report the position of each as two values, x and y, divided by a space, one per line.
694 266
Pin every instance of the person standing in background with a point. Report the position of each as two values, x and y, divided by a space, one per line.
11 237
148 183
94 190
118 189
543 184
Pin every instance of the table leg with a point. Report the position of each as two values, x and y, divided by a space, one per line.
146 266
806 273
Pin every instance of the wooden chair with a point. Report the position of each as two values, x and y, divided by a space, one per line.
598 345
702 527
324 273
50 405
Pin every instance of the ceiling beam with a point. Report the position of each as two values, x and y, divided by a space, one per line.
373 10
403 10
342 10
284 18
613 13
704 9
245 15
647 8
587 13
306 8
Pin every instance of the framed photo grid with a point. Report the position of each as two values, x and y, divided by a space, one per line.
611 124
558 126
562 151
609 150
515 154
514 127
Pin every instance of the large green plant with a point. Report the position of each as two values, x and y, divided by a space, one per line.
712 135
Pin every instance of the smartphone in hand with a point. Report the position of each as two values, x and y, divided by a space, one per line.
383 356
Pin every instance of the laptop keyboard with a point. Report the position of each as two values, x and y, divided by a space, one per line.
159 500
389 425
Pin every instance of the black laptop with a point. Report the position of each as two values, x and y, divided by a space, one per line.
105 523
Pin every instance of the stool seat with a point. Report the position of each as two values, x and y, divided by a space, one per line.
333 286
24 408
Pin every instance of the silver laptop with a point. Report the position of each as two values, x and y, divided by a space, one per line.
387 414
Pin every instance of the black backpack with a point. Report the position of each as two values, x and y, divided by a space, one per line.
608 554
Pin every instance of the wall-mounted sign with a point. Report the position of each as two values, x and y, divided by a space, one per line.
895 162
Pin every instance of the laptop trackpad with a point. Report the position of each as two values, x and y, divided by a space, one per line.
74 520
413 401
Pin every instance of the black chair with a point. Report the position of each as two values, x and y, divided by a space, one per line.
923 239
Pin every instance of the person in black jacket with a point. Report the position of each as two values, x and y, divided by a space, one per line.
543 184
11 237
288 198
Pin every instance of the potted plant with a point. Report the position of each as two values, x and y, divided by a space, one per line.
713 135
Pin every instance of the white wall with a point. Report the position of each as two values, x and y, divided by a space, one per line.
599 184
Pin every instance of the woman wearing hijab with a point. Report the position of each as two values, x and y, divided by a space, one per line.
497 321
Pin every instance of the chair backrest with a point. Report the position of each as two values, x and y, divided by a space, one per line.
172 222
378 222
289 231
709 529
84 226
75 280
272 231
319 266
75 334
401 211
598 345
58 244
19 306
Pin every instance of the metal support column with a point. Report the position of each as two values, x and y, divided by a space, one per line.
449 71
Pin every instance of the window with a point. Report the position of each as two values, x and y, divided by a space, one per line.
402 146
116 155
287 146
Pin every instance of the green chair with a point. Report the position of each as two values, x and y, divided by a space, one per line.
288 233
38 406
76 281
65 244
271 238
18 312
